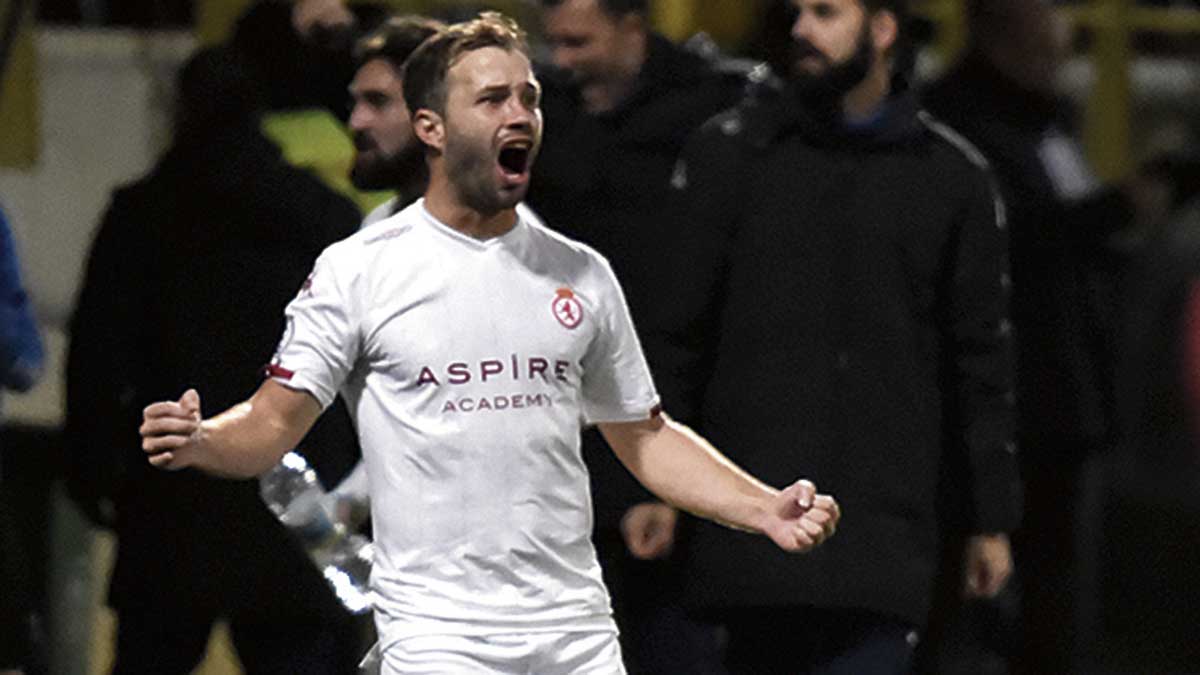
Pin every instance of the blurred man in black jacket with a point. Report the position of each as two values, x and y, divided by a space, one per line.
840 283
1140 594
1002 96
185 283
619 104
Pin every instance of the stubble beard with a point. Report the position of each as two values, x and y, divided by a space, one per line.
471 172
388 172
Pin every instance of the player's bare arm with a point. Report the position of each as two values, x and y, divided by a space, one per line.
241 442
685 471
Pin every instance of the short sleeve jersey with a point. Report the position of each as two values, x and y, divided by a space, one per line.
469 367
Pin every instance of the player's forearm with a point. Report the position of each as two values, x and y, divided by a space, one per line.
684 470
244 441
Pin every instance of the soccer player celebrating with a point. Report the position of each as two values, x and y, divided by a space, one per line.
471 343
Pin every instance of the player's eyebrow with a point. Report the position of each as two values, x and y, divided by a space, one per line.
494 89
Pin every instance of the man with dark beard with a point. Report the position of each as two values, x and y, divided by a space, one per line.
387 154
838 306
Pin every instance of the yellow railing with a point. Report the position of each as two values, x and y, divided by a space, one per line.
1110 103
949 18
19 124
1108 115
1112 24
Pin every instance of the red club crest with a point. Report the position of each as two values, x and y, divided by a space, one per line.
566 308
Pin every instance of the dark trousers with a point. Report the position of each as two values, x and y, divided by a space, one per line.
174 643
23 508
657 636
1047 560
796 641
1141 567
14 601
964 636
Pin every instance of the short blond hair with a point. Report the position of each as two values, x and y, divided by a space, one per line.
426 70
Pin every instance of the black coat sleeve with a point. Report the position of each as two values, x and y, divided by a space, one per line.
979 365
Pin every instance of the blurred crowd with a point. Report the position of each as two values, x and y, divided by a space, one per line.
918 293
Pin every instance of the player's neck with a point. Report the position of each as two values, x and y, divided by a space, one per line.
444 205
413 187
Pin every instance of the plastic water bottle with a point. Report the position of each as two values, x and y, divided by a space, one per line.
294 494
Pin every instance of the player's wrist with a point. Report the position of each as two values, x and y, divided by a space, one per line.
198 446
759 519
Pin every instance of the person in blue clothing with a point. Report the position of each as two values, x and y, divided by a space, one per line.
20 345
21 359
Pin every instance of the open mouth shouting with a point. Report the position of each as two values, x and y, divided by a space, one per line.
514 161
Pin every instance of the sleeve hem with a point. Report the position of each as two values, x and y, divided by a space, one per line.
637 412
298 382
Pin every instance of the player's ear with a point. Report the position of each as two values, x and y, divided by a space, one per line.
885 30
430 128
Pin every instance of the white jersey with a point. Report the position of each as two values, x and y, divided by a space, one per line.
469 367
381 212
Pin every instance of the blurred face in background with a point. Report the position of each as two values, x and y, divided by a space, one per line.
1026 40
387 152
597 49
831 49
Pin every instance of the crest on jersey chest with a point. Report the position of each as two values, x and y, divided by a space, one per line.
567 309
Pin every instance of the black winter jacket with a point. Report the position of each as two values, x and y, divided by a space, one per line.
604 180
1063 269
185 287
837 310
